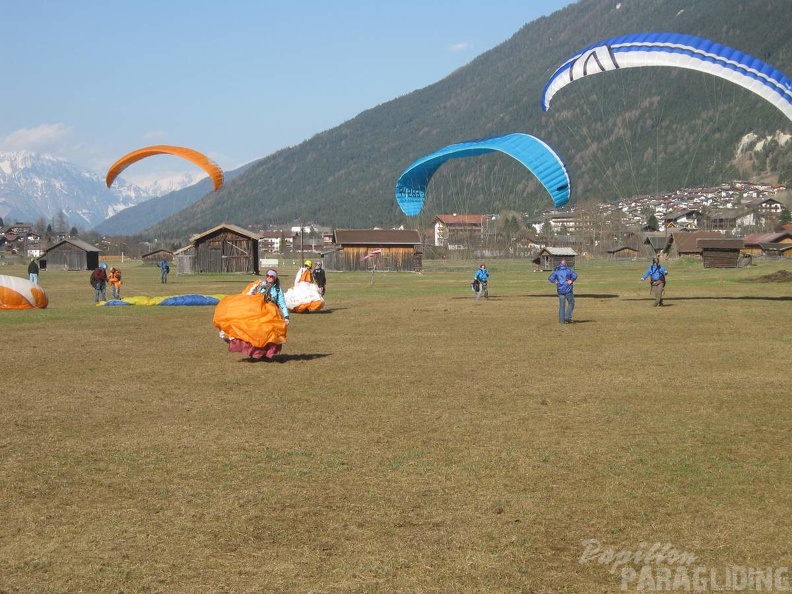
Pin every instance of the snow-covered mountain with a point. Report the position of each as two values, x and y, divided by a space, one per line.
35 186
157 185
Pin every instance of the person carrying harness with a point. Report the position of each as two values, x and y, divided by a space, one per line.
657 275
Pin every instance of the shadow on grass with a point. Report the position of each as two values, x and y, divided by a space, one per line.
322 311
288 357
549 295
743 298
577 296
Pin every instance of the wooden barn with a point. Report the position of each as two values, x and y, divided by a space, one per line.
550 257
685 243
776 251
623 252
399 250
70 254
156 257
655 243
753 242
185 259
720 253
226 248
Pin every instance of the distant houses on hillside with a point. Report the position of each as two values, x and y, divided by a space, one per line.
670 225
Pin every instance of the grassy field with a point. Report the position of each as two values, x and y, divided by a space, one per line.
410 439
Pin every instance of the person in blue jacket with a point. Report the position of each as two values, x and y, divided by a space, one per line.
563 278
657 274
482 276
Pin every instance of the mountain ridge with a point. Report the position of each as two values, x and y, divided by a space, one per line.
673 134
35 186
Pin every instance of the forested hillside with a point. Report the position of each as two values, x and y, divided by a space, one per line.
643 130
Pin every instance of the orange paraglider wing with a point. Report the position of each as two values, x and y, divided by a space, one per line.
20 293
250 318
191 155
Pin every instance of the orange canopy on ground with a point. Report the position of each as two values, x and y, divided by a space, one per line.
250 318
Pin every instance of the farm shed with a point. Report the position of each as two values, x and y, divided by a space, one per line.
655 243
400 250
624 252
185 259
71 254
774 251
550 257
753 242
226 248
156 257
685 243
720 253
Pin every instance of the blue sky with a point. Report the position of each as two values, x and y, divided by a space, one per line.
90 80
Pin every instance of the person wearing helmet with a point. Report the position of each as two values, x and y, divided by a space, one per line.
480 282
99 283
304 274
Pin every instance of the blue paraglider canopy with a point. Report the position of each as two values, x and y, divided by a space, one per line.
679 51
534 154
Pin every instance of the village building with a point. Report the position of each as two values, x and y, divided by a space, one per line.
721 253
683 244
70 254
224 248
277 241
154 257
387 249
772 245
456 232
623 252
684 219
731 220
550 257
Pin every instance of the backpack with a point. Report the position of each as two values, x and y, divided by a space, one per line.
661 280
167 269
93 278
475 286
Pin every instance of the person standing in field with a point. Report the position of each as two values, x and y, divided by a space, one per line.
114 276
657 275
33 271
99 283
563 278
164 270
320 278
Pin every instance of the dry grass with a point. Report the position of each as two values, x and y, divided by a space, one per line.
411 439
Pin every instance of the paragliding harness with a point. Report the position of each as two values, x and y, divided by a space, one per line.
97 282
270 298
475 285
659 281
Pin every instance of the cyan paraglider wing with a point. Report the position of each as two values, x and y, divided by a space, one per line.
536 155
